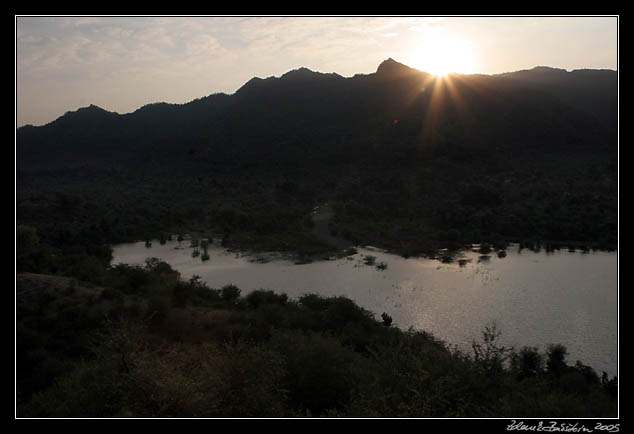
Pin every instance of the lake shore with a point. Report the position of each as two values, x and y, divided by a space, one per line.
563 296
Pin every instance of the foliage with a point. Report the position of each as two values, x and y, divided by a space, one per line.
258 298
489 355
528 362
230 293
556 362
265 355
387 320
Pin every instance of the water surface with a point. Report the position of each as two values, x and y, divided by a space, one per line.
535 298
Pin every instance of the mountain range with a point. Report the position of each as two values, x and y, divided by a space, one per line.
399 147
312 110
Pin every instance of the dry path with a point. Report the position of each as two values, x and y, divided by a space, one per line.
321 216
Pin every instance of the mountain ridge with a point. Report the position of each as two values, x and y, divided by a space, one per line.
317 107
387 66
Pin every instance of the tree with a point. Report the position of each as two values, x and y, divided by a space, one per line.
230 292
556 362
489 354
387 320
528 362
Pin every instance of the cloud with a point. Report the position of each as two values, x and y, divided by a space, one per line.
202 45
76 21
58 57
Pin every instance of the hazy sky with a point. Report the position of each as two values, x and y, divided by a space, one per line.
122 63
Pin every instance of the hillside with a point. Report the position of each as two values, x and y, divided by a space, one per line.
411 162
141 342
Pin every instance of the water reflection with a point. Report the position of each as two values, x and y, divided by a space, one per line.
536 298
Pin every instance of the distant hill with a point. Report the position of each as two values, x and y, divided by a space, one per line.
311 110
398 145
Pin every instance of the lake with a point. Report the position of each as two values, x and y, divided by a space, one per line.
535 298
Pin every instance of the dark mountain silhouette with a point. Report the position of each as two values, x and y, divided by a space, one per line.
395 145
315 109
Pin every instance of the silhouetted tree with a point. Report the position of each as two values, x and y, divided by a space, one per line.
556 363
387 320
528 362
230 293
489 354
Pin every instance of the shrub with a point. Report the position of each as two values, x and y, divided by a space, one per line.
611 386
528 362
253 380
158 267
196 292
319 370
230 293
485 248
488 354
314 302
261 296
556 363
91 390
588 373
341 311
387 320
369 259
129 278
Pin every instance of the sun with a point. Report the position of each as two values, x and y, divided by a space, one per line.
441 55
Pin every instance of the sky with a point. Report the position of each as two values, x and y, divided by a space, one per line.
121 63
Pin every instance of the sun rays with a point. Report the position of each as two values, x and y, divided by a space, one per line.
441 55
436 100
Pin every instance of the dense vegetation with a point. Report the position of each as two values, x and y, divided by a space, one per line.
141 342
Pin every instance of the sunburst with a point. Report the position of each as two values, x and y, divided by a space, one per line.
442 55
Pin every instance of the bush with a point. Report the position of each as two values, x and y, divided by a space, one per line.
341 311
129 278
488 354
369 259
92 389
253 383
314 302
528 362
261 296
160 268
319 370
556 363
230 293
485 248
387 320
588 373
